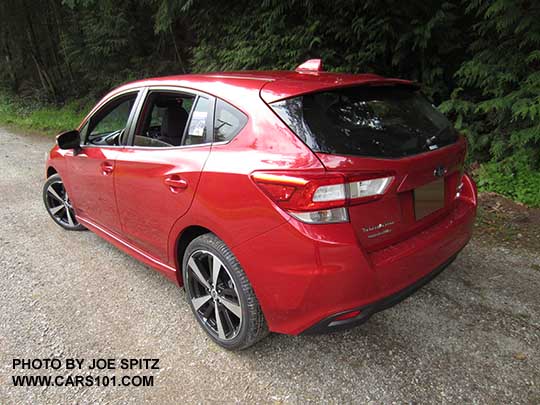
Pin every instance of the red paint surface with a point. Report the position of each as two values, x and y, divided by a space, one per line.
301 273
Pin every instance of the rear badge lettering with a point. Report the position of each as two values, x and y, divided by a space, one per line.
377 227
374 235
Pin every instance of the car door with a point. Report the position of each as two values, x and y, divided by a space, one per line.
91 169
157 176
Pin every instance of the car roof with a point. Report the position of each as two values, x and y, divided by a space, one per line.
272 85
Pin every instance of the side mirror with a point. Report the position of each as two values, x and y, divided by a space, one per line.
69 140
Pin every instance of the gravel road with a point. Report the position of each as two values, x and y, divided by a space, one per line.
472 335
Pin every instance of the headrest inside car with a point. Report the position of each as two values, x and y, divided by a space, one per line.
162 102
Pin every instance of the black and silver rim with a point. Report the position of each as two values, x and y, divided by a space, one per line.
214 295
59 205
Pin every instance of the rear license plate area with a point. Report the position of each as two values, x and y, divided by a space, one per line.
428 198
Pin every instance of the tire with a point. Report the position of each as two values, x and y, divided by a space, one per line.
231 297
58 204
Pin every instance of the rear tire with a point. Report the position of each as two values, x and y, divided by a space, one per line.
220 295
58 204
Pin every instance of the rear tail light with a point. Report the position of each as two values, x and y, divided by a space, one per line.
330 216
334 192
320 198
369 188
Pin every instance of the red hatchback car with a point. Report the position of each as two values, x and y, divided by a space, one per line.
293 202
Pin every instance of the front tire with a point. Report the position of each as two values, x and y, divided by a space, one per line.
58 204
220 294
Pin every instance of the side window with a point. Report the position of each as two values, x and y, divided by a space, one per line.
163 119
196 133
228 122
107 126
84 131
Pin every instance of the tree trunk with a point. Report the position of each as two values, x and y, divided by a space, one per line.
61 40
9 62
44 76
176 49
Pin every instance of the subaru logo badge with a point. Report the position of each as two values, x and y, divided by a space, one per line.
439 171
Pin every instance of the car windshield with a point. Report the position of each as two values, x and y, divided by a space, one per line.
379 122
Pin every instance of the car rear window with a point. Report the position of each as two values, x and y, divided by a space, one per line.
228 121
387 122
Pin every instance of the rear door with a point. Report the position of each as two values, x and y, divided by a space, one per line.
423 191
91 185
156 181
372 132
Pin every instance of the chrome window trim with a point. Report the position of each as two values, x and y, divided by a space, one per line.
178 147
103 146
168 147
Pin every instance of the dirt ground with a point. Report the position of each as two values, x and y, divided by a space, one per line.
472 335
502 221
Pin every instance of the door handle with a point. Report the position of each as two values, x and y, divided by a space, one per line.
107 168
175 183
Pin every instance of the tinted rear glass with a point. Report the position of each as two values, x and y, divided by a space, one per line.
379 122
228 121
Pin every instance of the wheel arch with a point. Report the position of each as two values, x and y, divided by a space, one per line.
182 241
50 171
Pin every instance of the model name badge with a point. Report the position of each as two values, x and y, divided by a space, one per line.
377 227
383 232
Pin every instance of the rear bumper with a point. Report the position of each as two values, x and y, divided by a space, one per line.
304 276
330 324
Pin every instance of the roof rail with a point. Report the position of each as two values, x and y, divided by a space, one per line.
311 65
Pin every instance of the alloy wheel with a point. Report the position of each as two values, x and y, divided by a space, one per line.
59 205
214 295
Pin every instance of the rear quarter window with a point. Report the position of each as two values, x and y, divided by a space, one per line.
386 122
228 121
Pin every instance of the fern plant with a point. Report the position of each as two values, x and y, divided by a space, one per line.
497 98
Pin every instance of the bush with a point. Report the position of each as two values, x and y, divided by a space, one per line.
513 179
48 118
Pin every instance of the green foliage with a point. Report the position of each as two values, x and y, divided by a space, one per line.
478 59
388 37
46 118
54 50
514 179
497 101
113 41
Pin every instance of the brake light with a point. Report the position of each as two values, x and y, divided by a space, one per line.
323 197
331 216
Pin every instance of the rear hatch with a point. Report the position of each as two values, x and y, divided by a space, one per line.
377 132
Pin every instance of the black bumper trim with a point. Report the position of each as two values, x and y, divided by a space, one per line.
329 325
